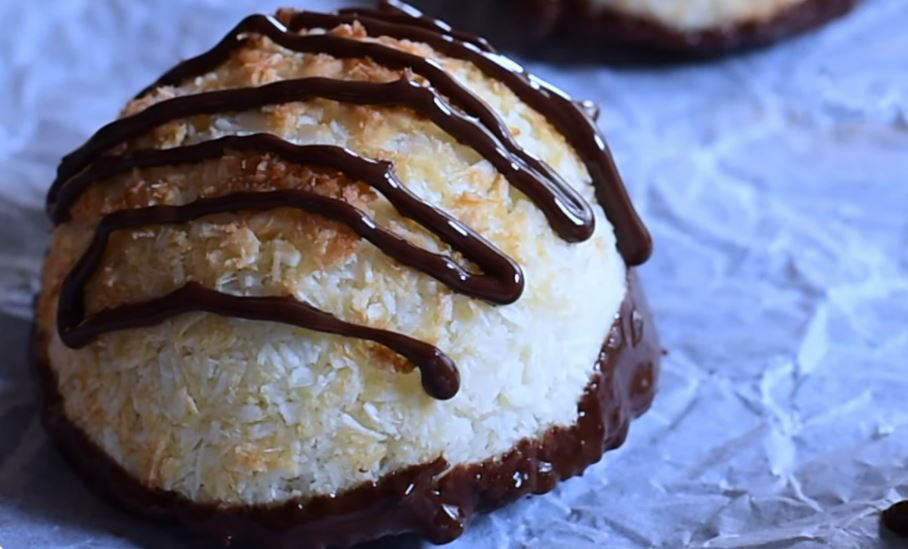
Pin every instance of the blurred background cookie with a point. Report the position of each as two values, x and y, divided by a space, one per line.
679 27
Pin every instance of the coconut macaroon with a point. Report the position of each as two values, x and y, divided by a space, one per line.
704 27
337 270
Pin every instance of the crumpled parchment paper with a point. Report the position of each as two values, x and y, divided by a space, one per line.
776 186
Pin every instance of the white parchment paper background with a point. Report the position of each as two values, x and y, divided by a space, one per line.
776 186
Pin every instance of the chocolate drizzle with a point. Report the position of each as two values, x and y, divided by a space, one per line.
472 123
566 210
432 499
572 220
558 108
439 375
502 284
565 116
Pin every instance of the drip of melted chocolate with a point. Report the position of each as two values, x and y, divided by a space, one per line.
473 123
434 499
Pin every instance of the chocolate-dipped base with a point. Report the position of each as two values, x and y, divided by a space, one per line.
424 499
895 518
551 28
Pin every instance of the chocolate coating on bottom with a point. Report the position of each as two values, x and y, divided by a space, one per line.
895 519
424 499
540 25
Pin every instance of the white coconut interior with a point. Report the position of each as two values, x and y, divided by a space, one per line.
698 15
237 411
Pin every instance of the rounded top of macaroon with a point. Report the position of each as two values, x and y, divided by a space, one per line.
251 261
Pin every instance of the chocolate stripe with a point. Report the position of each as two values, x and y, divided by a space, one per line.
634 240
440 378
581 133
502 283
570 223
345 48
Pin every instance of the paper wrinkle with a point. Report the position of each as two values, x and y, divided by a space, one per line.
776 187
